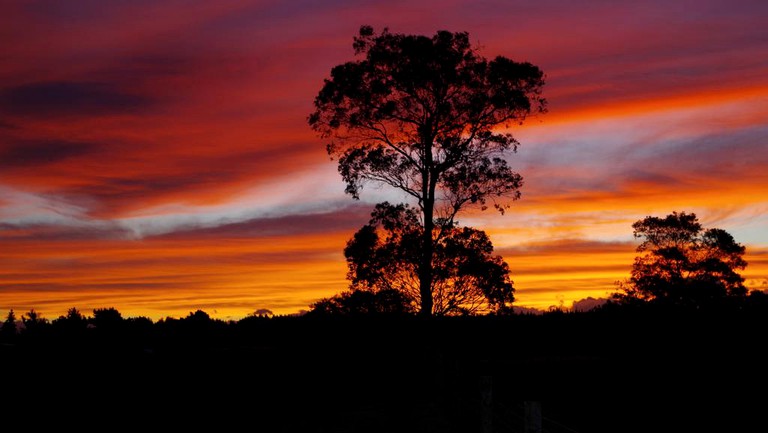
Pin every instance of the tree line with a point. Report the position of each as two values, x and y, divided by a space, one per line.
355 305
680 265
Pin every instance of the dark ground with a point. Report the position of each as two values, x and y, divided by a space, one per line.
591 373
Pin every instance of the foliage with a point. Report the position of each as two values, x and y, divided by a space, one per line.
9 325
33 321
383 256
421 115
261 312
363 302
73 317
683 264
106 317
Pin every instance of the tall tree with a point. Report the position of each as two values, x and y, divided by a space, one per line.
683 264
467 278
425 115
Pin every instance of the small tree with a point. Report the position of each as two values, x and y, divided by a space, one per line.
106 318
33 321
683 264
9 325
73 321
420 114
467 277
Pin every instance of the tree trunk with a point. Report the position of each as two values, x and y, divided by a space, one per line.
428 205
425 267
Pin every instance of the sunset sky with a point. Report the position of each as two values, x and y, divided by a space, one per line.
155 155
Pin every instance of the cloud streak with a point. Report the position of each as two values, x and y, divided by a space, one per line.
59 98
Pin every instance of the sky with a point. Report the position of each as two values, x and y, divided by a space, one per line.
155 156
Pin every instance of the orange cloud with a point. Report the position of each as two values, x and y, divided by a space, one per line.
155 278
565 271
561 272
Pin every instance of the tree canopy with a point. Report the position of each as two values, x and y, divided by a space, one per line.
363 303
467 278
33 321
426 115
683 263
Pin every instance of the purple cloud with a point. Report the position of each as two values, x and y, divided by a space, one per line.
62 98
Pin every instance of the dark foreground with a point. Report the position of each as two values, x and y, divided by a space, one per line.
592 372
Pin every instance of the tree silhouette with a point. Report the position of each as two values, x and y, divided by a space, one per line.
72 322
33 321
9 325
419 114
198 322
198 316
467 278
683 264
363 302
106 318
